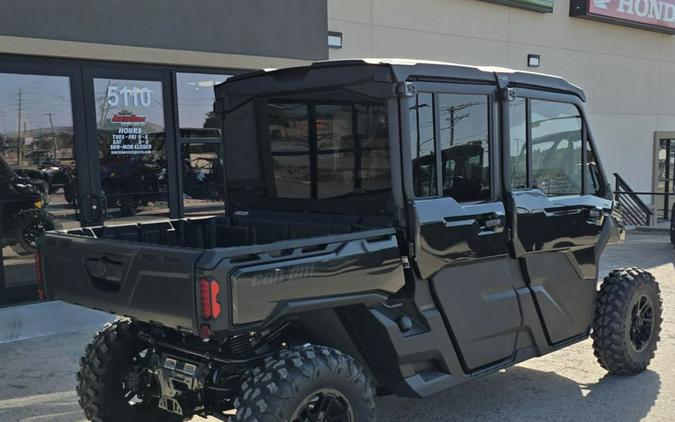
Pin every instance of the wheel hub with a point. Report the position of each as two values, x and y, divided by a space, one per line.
326 405
641 323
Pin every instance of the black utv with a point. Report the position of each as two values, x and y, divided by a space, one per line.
391 227
22 215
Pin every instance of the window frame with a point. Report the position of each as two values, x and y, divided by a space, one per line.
450 88
587 138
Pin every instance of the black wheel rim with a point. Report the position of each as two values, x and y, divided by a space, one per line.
641 323
33 231
325 405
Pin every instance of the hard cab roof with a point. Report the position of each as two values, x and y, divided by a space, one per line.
336 73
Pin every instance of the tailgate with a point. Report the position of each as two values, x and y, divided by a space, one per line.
151 283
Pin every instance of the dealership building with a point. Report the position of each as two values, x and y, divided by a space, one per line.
110 102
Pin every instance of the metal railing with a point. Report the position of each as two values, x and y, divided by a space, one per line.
635 211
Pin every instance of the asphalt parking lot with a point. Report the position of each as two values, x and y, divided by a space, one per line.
39 362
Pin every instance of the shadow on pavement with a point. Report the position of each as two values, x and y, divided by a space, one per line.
526 394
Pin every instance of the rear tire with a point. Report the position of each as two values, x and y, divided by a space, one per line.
30 225
305 383
627 321
100 378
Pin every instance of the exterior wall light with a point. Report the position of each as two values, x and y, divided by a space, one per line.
334 39
533 60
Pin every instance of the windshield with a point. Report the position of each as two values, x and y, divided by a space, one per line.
283 153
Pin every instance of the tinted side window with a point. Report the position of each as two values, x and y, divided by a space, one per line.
423 145
518 143
464 143
556 147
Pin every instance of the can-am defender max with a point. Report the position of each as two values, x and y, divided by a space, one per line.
391 227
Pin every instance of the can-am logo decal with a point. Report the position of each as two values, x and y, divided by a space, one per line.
648 14
281 275
128 119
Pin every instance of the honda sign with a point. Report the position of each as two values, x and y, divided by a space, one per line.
655 15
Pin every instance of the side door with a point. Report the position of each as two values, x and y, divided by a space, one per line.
558 208
457 217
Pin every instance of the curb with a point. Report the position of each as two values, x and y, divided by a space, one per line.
648 230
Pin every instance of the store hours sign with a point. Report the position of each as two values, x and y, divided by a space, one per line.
654 15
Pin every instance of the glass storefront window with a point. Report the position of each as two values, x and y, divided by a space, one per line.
203 186
195 103
38 188
132 153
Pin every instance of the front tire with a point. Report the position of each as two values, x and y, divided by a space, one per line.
308 383
102 379
627 321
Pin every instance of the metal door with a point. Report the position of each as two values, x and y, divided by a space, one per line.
457 218
557 213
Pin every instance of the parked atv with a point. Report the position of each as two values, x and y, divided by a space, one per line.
24 218
322 285
130 184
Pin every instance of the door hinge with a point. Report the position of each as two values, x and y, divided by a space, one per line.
406 89
509 94
509 234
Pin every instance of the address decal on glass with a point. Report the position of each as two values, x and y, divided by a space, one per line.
655 15
126 96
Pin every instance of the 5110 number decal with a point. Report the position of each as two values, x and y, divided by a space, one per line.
126 96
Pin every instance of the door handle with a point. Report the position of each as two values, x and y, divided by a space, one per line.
492 225
595 215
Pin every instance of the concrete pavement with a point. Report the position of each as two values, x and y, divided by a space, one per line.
38 366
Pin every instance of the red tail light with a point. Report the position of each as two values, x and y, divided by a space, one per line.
40 278
209 290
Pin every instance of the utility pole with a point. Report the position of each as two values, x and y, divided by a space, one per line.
25 123
51 123
18 133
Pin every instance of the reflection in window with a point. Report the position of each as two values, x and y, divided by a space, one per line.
373 142
195 102
36 140
289 142
464 146
350 155
556 148
37 167
422 145
335 150
203 179
518 143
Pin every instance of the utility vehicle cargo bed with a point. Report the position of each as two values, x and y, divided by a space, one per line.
152 271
